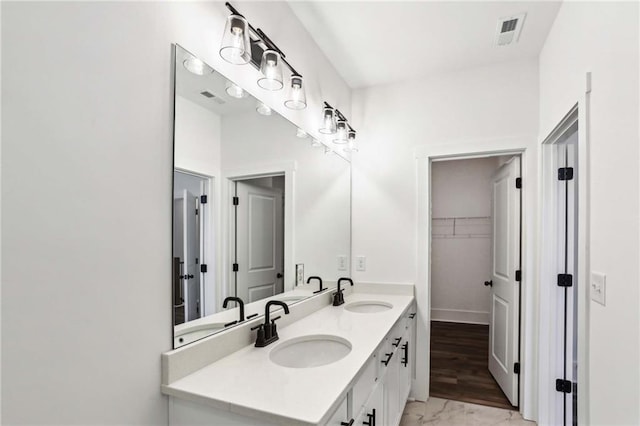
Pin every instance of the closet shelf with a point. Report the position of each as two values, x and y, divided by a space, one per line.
461 227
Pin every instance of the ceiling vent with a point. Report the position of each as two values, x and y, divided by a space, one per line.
509 29
213 97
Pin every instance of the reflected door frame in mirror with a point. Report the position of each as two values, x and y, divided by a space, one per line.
286 169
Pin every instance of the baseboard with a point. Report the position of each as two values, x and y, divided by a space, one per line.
458 315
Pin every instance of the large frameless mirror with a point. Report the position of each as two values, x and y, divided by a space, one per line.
256 208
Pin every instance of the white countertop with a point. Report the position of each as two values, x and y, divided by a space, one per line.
248 383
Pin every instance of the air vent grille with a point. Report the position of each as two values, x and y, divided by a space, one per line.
213 97
509 29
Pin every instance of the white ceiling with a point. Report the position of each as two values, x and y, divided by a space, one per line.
373 42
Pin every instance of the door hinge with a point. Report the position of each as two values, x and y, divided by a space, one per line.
203 199
236 201
563 386
518 183
516 368
203 267
565 280
235 267
518 275
565 173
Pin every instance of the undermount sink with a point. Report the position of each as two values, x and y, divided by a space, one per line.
310 351
368 307
191 334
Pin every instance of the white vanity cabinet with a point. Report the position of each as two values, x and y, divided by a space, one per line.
379 399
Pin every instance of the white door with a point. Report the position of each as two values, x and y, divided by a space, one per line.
504 310
191 243
259 241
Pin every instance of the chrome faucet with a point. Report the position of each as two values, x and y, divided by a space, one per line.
320 280
338 297
268 332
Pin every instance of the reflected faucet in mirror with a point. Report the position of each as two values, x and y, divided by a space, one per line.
268 332
321 289
240 305
338 297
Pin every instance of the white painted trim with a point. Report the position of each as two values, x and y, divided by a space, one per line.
460 315
517 144
286 168
545 378
211 244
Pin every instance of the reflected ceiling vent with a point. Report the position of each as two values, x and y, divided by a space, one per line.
509 29
213 97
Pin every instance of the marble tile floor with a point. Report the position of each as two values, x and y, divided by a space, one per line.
445 412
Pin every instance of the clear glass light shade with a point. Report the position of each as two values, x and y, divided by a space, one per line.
236 45
263 109
328 121
301 133
351 147
235 91
271 69
196 66
341 132
296 96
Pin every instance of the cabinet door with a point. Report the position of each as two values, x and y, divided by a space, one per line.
340 415
372 413
406 361
391 391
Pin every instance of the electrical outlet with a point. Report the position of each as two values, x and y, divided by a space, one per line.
598 287
342 263
361 263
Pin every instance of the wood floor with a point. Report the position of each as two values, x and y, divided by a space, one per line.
459 365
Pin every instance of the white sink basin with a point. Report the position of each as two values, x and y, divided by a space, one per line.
188 334
310 351
368 307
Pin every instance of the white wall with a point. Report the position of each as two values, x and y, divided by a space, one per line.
460 264
484 103
197 138
322 188
86 114
602 37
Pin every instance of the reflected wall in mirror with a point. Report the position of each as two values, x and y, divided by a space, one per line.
251 200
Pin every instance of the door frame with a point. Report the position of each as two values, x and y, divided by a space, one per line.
425 155
208 244
230 176
547 247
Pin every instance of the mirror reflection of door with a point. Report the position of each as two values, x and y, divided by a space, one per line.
187 246
259 238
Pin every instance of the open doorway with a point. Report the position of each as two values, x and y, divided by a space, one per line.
475 280
257 239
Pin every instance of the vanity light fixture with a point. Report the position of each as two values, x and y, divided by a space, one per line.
271 69
236 43
196 66
301 133
263 109
235 91
341 129
296 96
254 46
328 120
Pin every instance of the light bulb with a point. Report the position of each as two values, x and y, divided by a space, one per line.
235 91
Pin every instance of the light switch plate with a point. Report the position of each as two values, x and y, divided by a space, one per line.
299 274
342 263
361 263
598 287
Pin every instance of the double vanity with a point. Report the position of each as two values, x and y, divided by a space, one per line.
350 364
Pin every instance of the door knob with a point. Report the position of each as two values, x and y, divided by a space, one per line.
489 283
278 275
